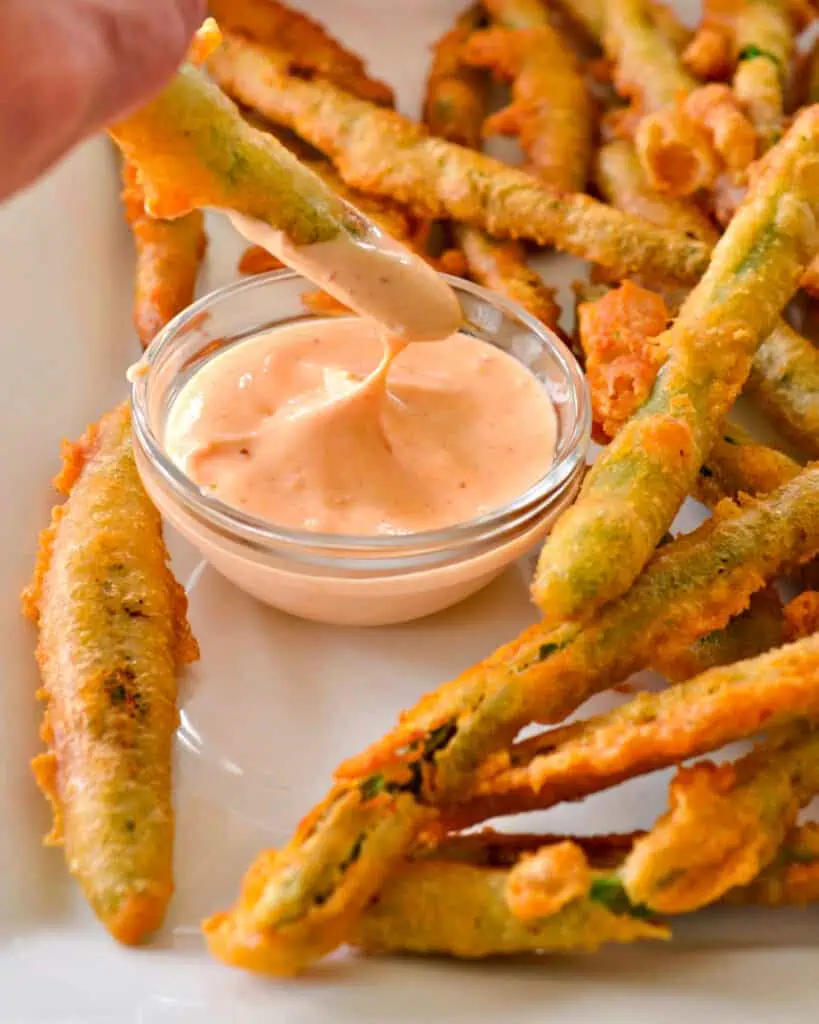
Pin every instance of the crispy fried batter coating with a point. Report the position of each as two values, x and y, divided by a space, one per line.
551 113
622 182
502 267
311 47
461 910
438 179
726 823
647 70
456 95
784 383
802 615
617 334
755 38
684 135
792 877
192 149
169 257
590 14
685 146
739 465
618 331
542 883
454 109
651 731
633 491
298 904
112 637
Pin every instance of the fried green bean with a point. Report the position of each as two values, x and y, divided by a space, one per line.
455 104
379 151
737 465
756 39
551 112
169 257
310 46
726 823
112 636
684 134
622 182
301 902
763 39
758 629
791 878
193 150
502 266
456 95
651 731
455 899
647 69
784 383
633 491
590 15
620 332
463 910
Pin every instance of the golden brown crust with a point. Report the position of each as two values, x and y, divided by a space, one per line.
113 633
310 46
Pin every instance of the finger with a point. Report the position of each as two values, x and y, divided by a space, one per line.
69 66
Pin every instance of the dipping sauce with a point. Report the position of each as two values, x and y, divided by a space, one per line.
372 274
319 426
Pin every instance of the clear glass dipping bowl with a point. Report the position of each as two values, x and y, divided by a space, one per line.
332 577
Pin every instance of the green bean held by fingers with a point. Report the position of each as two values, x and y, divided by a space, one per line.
381 152
726 823
193 150
634 489
112 637
298 903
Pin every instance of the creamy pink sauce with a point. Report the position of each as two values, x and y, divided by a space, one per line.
372 274
320 426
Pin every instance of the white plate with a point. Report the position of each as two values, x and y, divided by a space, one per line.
275 703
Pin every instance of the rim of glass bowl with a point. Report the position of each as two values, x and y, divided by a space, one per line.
262 534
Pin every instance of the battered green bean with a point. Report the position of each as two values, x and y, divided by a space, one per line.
194 150
299 903
462 910
792 877
456 899
455 105
633 491
653 730
551 110
763 39
456 95
112 636
784 382
727 822
622 182
381 152
737 464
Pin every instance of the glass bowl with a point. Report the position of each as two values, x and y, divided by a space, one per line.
337 578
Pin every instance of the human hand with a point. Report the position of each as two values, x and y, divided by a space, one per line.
68 67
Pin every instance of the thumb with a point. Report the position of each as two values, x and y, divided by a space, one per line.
67 67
